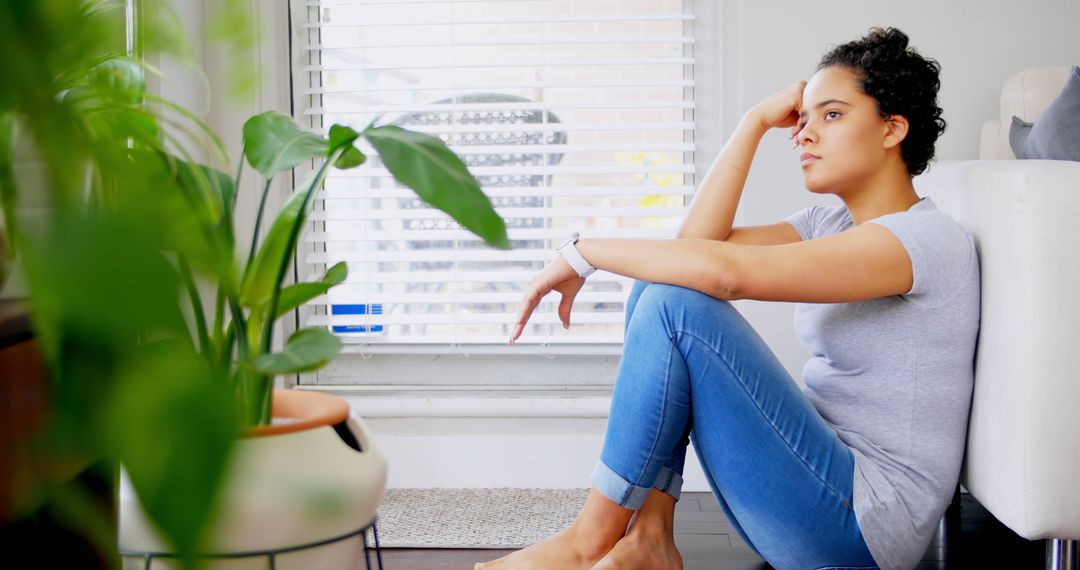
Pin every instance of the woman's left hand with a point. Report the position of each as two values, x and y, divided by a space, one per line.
557 276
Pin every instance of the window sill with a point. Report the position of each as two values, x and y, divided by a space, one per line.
473 401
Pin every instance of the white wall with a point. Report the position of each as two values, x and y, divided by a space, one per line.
768 45
745 51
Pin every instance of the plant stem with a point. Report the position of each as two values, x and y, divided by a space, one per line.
219 315
260 400
266 409
239 328
226 346
239 171
268 326
196 306
258 222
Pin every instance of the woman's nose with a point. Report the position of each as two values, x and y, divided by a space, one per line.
799 135
803 135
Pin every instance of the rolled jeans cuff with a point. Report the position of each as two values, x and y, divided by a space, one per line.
669 481
626 494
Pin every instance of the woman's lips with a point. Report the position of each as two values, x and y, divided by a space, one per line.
809 158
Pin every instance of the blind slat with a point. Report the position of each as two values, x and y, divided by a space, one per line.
429 255
546 127
462 318
455 108
372 172
456 298
510 41
525 64
560 19
459 275
565 149
334 192
433 214
323 3
570 343
424 86
512 234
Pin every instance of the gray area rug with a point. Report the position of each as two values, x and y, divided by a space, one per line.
475 518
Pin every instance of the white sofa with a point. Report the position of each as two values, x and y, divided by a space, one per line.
1023 451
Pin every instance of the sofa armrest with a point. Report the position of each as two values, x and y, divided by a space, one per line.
1022 461
993 144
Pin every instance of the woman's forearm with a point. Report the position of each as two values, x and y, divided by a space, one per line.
699 264
712 211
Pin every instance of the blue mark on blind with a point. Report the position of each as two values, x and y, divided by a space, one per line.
361 309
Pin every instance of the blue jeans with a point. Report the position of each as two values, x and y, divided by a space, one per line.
694 369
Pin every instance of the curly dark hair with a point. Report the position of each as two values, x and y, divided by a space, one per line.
902 82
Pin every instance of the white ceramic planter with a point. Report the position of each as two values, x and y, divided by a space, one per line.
281 491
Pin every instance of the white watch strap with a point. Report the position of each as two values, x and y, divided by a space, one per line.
572 256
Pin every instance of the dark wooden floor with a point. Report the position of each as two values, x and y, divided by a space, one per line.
707 541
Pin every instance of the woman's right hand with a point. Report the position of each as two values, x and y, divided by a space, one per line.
781 109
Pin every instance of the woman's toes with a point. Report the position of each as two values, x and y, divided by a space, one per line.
560 551
635 551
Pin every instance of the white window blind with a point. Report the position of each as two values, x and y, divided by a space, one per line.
573 116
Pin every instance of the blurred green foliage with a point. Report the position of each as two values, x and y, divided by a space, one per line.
142 372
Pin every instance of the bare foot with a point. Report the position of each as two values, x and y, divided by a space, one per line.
562 551
645 550
593 533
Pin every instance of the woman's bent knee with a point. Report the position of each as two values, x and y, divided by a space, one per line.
676 296
675 308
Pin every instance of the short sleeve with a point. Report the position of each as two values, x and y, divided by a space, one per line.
940 250
803 221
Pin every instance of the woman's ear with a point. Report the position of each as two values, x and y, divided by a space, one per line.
896 128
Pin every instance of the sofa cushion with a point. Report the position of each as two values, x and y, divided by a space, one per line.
1055 135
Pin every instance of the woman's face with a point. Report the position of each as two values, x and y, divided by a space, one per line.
840 124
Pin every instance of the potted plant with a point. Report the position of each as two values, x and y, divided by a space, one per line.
342 473
144 372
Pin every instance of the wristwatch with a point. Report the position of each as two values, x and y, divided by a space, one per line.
572 256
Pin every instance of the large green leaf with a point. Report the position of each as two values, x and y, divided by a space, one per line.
274 142
351 158
342 136
211 189
153 408
422 162
171 423
307 349
186 208
295 295
102 280
121 79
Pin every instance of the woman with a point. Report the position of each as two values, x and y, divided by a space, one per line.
855 469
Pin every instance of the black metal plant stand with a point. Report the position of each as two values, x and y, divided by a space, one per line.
271 555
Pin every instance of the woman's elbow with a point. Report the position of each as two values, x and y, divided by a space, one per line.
723 284
715 273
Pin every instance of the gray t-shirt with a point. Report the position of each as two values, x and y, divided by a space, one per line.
894 376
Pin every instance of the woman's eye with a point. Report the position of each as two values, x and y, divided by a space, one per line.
832 113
